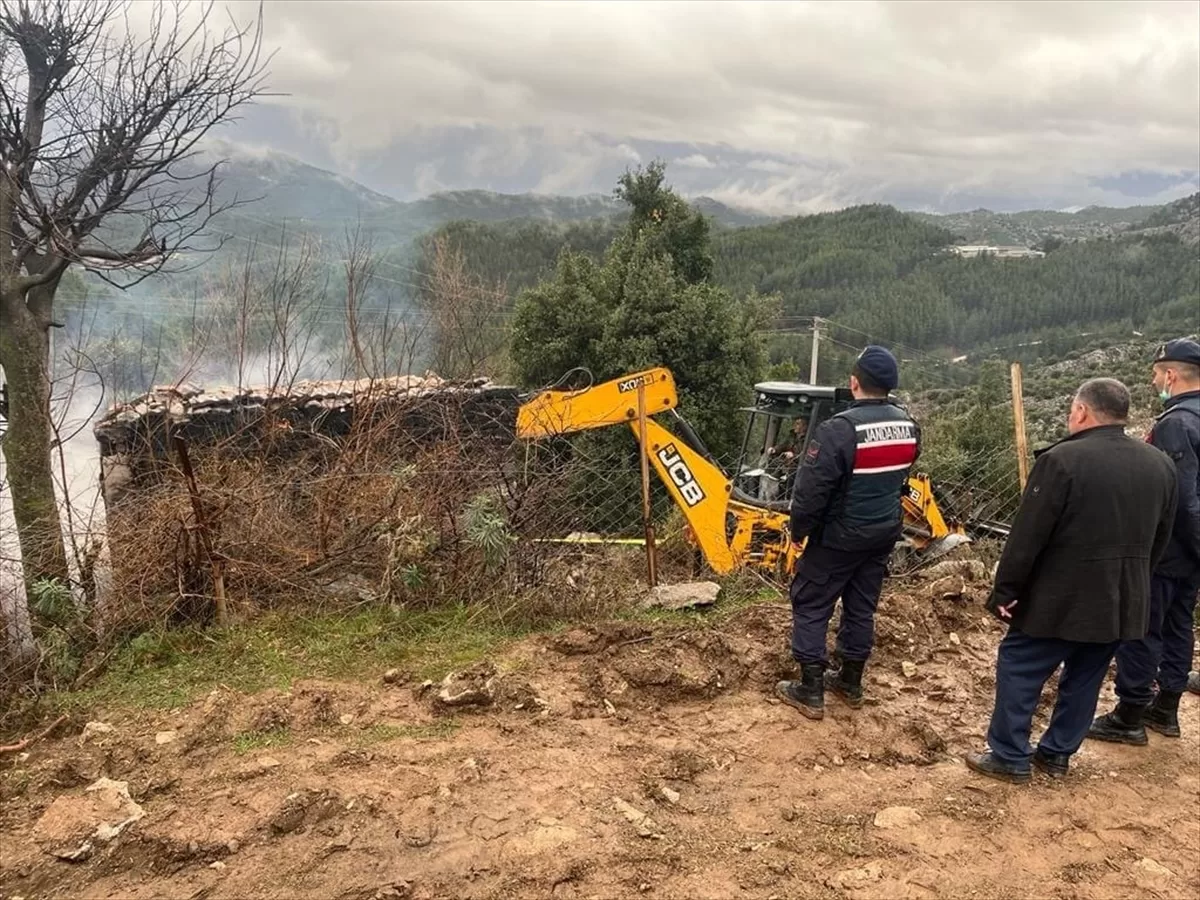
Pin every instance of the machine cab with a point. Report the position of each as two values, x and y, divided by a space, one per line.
779 427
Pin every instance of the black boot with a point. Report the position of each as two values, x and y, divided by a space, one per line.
807 694
1056 765
848 683
1121 726
993 767
1163 714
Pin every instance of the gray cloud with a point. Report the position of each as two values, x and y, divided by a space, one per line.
775 104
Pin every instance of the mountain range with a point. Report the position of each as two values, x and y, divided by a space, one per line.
274 190
278 191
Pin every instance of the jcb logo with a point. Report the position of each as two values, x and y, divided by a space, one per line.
681 476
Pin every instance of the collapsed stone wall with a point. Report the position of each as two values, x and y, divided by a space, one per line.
306 419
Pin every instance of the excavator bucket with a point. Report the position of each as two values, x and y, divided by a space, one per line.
941 546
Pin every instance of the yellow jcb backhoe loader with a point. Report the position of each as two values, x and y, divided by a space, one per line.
739 521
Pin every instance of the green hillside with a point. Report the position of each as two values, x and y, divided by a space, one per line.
886 274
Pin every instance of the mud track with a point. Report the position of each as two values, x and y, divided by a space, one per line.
607 761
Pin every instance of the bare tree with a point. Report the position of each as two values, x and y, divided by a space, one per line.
466 315
383 338
100 167
267 313
359 267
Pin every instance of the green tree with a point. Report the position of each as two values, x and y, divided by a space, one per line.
671 226
649 303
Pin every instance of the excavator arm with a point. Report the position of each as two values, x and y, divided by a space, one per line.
698 487
555 412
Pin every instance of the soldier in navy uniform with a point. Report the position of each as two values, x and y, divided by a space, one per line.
846 504
1164 655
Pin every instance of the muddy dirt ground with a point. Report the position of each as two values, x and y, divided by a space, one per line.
620 760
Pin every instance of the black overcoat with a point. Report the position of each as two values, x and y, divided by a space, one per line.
1094 520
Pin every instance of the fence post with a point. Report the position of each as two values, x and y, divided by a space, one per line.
1018 398
647 519
816 349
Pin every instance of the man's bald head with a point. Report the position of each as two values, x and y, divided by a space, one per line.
1099 401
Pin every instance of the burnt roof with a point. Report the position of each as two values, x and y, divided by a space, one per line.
185 404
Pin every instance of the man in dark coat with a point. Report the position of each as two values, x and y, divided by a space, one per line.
1164 655
1074 579
847 506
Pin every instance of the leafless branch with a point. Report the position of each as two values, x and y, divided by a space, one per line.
100 136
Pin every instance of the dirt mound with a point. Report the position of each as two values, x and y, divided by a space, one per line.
609 761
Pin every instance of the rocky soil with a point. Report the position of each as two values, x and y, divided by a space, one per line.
621 760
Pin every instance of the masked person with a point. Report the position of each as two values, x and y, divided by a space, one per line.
846 504
1165 653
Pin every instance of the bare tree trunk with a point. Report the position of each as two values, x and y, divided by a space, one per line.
25 357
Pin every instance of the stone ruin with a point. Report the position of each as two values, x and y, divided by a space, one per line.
135 438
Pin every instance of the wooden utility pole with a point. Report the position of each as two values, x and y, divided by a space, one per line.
1018 398
816 349
647 519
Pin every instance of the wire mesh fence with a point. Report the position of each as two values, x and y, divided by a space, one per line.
413 496
406 498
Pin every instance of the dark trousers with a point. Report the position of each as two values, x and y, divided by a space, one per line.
1023 665
822 575
1165 653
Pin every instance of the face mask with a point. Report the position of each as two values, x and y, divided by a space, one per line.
1164 395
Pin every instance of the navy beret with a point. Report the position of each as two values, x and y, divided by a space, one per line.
1179 350
880 366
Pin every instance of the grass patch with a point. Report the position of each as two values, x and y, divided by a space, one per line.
248 741
167 669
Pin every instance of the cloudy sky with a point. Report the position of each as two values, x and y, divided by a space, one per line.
780 106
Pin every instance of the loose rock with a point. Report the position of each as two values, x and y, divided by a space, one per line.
1151 871
645 826
856 879
896 817
166 737
93 729
949 588
475 686
688 595
71 825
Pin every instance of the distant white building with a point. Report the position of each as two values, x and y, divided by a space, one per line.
999 251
